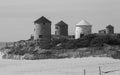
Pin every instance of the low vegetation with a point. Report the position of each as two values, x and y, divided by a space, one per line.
89 45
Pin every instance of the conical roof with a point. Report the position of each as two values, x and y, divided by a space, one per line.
42 20
61 23
83 22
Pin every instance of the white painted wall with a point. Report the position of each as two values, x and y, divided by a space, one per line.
82 29
78 30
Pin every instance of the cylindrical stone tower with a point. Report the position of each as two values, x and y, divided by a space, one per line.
61 29
42 31
110 29
82 28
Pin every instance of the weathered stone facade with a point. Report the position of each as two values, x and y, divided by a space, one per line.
110 29
42 31
61 29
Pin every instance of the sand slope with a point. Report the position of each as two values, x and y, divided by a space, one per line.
60 66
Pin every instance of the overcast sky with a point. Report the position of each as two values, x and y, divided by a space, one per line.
17 16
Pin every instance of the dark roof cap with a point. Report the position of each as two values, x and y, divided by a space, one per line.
42 20
61 23
109 26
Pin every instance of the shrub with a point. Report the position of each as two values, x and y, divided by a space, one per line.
116 55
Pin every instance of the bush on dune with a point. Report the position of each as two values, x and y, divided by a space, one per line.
63 45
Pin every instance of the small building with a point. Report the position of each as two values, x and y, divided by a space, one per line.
110 29
61 29
82 28
102 31
42 31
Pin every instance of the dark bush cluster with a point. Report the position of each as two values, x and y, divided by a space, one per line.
92 40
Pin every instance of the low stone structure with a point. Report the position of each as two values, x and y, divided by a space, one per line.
102 31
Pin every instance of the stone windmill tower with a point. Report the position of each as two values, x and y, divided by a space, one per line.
110 29
61 29
82 28
42 31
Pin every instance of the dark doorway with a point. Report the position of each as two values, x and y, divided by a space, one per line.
40 36
81 35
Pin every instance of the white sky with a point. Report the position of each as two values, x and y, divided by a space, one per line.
17 16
